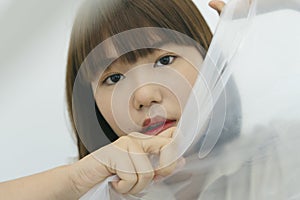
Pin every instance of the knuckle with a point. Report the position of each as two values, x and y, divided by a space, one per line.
115 186
167 170
134 134
119 189
123 141
165 142
132 180
147 175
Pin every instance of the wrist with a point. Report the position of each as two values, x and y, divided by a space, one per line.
86 173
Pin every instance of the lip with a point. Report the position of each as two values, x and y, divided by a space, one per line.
154 126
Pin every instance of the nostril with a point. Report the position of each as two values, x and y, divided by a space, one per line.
148 104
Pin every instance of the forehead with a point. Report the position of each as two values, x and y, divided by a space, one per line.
111 52
110 58
189 53
131 45
148 56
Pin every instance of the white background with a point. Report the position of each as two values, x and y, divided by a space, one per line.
34 131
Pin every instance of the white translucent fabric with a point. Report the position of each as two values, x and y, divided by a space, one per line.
251 141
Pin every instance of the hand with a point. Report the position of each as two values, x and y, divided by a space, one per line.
128 158
217 5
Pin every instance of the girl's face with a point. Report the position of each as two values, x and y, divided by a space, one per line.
149 95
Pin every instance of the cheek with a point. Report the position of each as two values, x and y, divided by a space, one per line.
104 106
188 78
187 71
191 75
103 99
175 105
103 102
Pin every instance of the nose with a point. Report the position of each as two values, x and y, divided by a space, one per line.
146 95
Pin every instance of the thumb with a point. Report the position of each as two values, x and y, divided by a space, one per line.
151 144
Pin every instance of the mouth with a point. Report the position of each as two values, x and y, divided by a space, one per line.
156 125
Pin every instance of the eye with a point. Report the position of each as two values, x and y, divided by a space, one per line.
166 60
113 79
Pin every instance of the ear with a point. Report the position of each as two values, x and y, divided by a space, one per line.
217 5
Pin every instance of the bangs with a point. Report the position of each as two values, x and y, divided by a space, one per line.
122 27
129 46
135 14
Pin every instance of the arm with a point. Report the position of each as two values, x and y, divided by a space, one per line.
53 184
73 181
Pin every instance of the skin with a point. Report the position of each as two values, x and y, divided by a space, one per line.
72 181
145 95
217 5
136 172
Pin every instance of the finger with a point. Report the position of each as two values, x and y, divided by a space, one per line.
119 163
143 167
115 156
162 172
126 182
168 158
217 5
125 158
170 154
150 144
163 145
166 170
168 133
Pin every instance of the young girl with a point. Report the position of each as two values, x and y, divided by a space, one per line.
131 68
135 112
